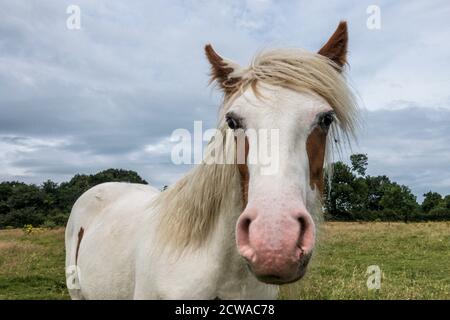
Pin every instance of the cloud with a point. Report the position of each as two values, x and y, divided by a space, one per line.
410 145
110 94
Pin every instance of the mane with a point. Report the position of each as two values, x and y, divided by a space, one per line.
191 206
303 71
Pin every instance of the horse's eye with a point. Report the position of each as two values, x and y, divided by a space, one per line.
326 120
232 121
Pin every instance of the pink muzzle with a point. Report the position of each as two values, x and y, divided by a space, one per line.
277 246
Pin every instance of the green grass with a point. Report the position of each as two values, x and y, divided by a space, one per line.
414 259
32 265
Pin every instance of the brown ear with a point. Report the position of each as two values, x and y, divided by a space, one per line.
221 70
336 47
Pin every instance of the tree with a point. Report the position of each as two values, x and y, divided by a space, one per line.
339 191
376 187
118 175
359 163
24 195
399 199
6 189
70 191
351 195
431 201
445 203
359 195
50 204
345 194
50 194
440 211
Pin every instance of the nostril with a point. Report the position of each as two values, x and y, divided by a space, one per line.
306 237
243 239
302 222
242 232
246 224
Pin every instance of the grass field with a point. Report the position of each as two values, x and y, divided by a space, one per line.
414 259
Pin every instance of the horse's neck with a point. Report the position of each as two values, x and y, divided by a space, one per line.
230 271
192 208
215 259
233 279
220 243
223 232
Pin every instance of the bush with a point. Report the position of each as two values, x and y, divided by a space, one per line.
60 219
18 218
28 228
49 224
438 214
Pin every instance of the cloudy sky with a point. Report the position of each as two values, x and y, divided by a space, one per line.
111 93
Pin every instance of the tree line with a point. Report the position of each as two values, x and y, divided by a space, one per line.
49 204
349 195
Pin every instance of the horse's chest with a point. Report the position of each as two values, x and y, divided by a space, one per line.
210 280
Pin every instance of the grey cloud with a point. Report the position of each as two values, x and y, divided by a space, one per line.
410 145
136 71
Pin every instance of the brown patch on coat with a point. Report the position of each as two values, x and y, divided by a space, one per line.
220 71
336 47
80 237
315 147
243 170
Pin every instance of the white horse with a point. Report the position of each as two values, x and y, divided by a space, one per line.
224 230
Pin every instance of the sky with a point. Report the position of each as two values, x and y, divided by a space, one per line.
111 93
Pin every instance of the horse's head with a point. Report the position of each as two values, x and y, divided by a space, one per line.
298 95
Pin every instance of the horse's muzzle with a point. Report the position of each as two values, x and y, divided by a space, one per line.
277 247
275 279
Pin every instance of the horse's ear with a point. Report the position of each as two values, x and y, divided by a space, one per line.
223 71
336 47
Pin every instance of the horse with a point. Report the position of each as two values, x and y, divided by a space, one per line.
224 231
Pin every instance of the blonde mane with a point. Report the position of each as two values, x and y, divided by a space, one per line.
189 208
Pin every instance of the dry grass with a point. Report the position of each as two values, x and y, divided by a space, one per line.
414 259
